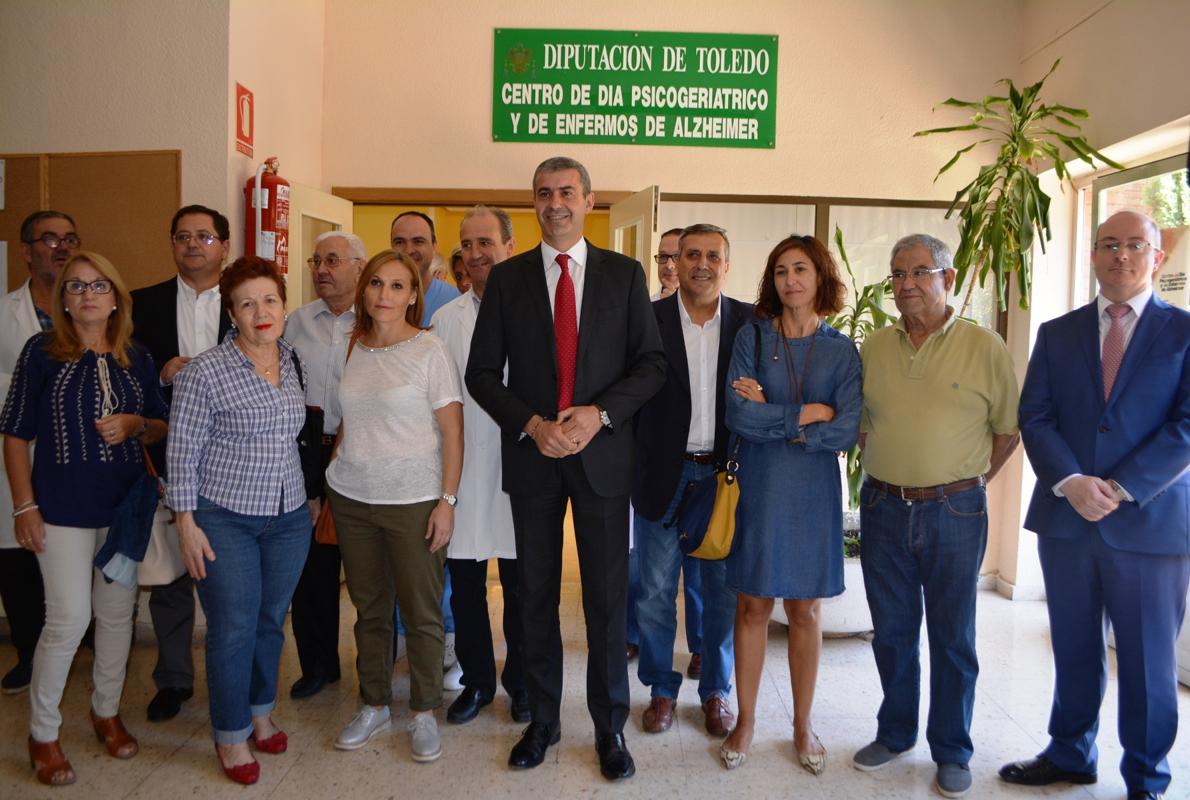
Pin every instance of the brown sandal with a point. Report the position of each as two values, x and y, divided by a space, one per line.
111 731
50 764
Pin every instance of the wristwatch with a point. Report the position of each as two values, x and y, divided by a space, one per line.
604 419
451 500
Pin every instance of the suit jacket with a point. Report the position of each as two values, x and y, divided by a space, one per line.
663 425
155 325
620 364
1140 436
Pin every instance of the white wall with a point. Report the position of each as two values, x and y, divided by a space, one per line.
275 49
408 108
91 75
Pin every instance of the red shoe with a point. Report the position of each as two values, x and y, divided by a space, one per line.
247 774
50 763
111 731
277 743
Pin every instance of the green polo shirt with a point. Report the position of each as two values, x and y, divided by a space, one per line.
929 413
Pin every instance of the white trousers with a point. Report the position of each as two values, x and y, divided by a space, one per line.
74 590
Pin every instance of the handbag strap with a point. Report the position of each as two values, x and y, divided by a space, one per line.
733 461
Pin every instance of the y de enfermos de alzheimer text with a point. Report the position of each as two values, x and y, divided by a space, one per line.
641 59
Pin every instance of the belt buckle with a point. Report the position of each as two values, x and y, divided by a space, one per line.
901 492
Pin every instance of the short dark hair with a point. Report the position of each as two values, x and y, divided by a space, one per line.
673 232
430 222
501 216
222 227
245 269
561 164
705 228
831 290
37 216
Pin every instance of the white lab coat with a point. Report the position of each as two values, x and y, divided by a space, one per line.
483 517
18 321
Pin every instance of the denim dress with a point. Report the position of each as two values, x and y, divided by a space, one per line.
789 524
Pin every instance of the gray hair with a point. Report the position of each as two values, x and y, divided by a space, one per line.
355 245
705 227
561 164
939 250
500 214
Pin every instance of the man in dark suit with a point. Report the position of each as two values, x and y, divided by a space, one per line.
680 438
573 324
177 319
1105 417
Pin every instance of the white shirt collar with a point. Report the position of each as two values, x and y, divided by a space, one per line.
1138 302
685 315
578 253
185 290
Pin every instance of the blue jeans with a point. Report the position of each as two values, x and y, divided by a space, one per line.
245 595
656 609
448 617
933 550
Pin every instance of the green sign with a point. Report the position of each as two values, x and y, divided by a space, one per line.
634 87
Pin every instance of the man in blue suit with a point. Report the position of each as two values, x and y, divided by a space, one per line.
1105 418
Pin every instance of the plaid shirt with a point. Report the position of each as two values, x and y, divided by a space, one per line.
233 436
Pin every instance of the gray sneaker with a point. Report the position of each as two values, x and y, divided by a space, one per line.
426 745
953 780
875 756
363 726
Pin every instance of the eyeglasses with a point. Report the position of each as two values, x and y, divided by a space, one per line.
920 274
53 241
1114 246
332 261
79 287
661 258
204 237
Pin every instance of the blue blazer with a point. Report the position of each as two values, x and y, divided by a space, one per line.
1140 437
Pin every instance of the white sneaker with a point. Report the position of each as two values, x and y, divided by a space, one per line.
363 726
449 658
452 681
426 745
397 656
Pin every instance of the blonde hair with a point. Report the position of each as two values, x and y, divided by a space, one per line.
63 343
364 323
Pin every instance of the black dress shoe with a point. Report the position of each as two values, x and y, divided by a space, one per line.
615 762
1041 771
520 707
167 703
530 750
1140 794
306 686
466 706
16 680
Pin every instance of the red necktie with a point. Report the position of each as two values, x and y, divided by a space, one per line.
1113 346
565 333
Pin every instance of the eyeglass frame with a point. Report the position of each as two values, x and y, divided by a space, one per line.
314 262
661 258
85 287
1134 247
917 273
184 238
58 240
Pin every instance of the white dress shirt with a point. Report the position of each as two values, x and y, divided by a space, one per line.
578 271
321 340
702 359
198 320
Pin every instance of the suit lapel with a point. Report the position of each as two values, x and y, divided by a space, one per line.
539 297
669 321
592 288
730 325
1087 335
1147 329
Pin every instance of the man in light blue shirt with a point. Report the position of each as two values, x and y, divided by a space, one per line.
412 233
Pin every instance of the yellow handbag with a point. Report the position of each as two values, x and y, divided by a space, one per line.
716 544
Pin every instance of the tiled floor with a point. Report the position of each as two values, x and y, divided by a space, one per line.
177 761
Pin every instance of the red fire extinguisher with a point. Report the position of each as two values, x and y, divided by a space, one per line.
266 201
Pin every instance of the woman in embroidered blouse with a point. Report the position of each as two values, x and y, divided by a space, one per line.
235 483
392 487
793 417
88 395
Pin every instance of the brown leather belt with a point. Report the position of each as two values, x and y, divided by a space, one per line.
700 458
908 493
328 440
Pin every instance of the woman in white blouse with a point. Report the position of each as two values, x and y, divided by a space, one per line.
392 487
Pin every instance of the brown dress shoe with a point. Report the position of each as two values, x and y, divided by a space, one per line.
659 716
50 764
109 730
720 718
694 671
